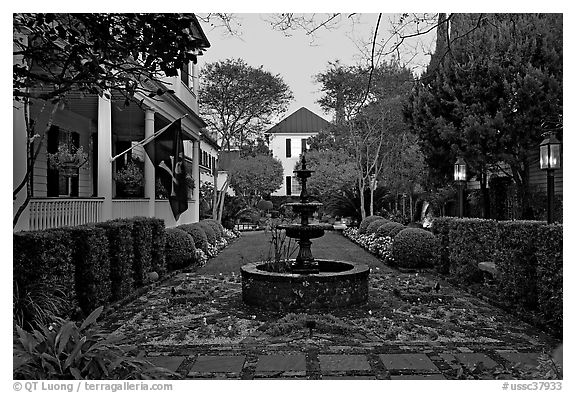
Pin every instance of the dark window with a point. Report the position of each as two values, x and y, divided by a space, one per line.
304 140
56 183
288 148
288 184
185 74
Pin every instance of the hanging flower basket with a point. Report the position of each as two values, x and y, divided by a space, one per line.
130 178
68 159
69 169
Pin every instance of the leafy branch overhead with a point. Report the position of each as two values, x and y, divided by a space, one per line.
96 52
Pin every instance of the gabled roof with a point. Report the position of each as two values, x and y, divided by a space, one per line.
301 121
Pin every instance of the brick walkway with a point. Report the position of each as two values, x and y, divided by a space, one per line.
403 332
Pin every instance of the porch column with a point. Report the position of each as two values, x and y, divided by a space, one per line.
104 156
149 171
196 192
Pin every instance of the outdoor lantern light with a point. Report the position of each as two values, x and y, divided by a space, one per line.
460 178
550 160
550 153
460 170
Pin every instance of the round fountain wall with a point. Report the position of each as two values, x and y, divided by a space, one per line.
307 283
339 284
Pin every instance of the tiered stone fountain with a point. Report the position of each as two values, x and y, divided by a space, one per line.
310 283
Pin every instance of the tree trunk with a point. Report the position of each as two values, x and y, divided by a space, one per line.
30 158
221 198
362 202
371 199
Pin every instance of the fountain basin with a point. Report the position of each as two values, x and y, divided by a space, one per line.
310 231
339 284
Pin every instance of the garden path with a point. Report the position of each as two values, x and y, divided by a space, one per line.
406 330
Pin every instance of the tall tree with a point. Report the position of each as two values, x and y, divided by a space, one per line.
492 96
368 120
119 54
239 101
251 178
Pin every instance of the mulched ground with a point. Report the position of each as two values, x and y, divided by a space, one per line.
202 312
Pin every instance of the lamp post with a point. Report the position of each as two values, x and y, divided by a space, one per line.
460 178
550 160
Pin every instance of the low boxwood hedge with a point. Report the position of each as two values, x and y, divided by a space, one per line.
216 227
415 248
92 264
441 229
549 275
516 262
198 234
367 221
374 225
121 251
389 229
180 249
142 231
42 260
472 240
210 234
158 261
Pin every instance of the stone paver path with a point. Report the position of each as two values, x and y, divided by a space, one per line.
405 331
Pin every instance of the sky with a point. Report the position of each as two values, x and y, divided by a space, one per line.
299 57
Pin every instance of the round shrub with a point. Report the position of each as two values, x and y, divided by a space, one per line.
216 227
198 235
374 225
389 229
367 221
179 249
414 247
210 235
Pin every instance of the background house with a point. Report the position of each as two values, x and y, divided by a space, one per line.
288 139
105 127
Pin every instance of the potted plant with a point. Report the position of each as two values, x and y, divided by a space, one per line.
130 178
68 159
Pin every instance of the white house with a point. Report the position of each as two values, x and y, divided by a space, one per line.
105 128
288 139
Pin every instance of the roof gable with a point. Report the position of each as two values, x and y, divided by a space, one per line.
301 121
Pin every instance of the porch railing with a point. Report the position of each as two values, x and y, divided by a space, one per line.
126 208
58 212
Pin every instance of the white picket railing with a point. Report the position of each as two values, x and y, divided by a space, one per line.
58 212
126 208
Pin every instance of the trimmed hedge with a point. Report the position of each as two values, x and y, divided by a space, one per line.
179 249
216 227
121 252
367 221
142 241
92 266
198 234
516 262
374 225
414 247
549 275
158 260
44 258
441 229
390 229
210 235
471 241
